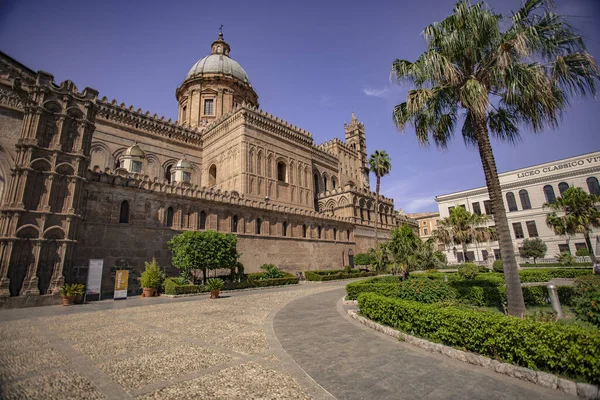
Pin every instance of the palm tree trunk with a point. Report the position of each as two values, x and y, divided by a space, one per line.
377 207
464 250
514 293
588 243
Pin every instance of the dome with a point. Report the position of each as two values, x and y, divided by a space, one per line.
184 164
135 151
218 64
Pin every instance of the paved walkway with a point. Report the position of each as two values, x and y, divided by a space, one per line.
352 361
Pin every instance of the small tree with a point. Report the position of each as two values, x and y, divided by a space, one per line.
403 248
152 277
534 248
208 250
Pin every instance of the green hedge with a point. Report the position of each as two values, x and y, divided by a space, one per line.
335 274
567 350
554 265
545 274
173 287
255 280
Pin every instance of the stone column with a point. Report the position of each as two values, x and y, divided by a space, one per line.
30 283
58 278
45 200
5 254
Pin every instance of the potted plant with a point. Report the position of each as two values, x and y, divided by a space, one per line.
151 279
214 285
69 293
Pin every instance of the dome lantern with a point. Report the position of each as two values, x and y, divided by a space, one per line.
182 171
133 159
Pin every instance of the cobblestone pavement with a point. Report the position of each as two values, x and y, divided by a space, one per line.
154 348
352 361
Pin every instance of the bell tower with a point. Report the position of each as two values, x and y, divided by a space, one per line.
356 138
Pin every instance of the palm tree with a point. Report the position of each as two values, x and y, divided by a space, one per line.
580 215
461 228
494 73
380 164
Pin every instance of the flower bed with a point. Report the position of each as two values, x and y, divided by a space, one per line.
330 275
568 350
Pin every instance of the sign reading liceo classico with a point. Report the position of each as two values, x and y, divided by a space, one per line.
121 283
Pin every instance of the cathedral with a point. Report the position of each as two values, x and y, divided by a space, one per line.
83 177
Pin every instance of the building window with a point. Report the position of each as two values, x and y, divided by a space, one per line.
170 216
212 175
209 107
532 229
484 255
234 224
168 173
202 224
136 166
281 172
284 230
593 186
450 210
562 187
460 257
333 183
463 206
304 230
258 225
525 203
184 113
564 248
579 246
549 193
334 234
124 213
512 203
348 234
476 208
518 228
487 206
187 177
497 254
424 231
324 183
320 231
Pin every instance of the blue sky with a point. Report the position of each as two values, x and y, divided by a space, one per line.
311 62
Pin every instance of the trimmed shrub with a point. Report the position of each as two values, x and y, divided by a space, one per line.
425 290
468 270
567 350
335 274
481 292
271 271
544 275
586 302
174 286
257 280
497 266
383 289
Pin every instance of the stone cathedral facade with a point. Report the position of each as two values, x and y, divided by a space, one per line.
82 177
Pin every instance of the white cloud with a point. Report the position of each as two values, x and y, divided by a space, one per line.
420 204
381 93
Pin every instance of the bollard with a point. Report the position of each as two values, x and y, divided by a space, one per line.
554 300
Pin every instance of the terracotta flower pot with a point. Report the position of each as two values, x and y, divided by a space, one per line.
149 292
214 294
68 300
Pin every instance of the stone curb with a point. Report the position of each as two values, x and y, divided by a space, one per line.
176 296
349 302
583 390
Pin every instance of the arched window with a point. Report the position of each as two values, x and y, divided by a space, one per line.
259 164
124 213
281 172
424 231
168 173
333 182
512 203
549 193
316 183
212 175
324 183
304 230
562 187
525 203
202 222
593 187
320 230
348 234
334 234
284 229
234 224
258 225
170 216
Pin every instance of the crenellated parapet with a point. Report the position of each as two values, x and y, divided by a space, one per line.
113 112
187 191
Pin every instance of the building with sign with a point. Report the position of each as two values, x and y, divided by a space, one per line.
86 178
524 192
